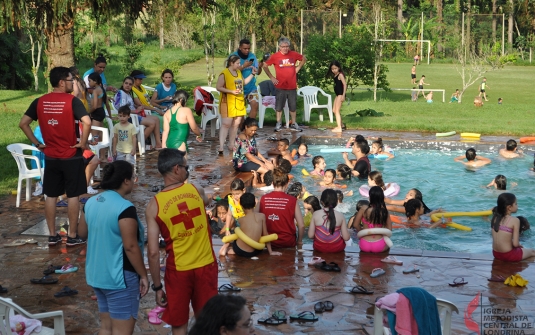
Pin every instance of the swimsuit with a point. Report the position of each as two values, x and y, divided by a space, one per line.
238 251
178 133
338 86
372 246
515 255
324 241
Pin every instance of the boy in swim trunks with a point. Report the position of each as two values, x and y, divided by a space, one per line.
510 150
282 148
472 160
254 226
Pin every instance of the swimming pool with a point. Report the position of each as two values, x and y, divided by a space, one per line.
443 183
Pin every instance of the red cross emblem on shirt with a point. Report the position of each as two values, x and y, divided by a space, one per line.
186 215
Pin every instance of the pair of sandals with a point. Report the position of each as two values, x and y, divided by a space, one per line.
332 266
280 317
325 306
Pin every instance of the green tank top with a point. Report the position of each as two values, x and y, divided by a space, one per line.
178 132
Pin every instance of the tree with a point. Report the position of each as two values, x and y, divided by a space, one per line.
472 66
56 17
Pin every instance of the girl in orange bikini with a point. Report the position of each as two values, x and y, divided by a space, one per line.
506 230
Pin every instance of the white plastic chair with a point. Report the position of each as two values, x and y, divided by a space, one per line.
262 110
445 309
103 144
310 95
211 115
8 309
17 150
149 89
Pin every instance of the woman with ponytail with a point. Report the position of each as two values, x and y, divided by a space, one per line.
506 230
328 227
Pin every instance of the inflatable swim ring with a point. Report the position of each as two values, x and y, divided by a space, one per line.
377 231
379 156
260 245
391 190
328 150
473 135
527 139
449 133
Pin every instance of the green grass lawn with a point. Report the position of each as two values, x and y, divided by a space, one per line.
512 118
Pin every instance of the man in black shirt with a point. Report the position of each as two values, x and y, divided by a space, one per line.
361 166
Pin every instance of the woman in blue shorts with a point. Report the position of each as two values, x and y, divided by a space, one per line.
114 263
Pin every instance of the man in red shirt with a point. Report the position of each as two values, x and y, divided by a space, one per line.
286 66
281 210
57 113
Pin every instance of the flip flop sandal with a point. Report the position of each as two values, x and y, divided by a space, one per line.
498 279
334 267
83 200
271 321
228 288
67 269
323 266
316 260
329 306
44 280
65 292
279 315
62 203
51 269
391 260
154 318
16 243
157 310
377 272
272 139
319 307
3 289
412 270
458 282
304 316
359 289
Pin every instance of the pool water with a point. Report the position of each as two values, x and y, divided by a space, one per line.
444 184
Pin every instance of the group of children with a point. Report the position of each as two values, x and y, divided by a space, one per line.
327 226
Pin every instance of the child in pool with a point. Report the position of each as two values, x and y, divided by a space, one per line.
351 222
343 207
471 159
311 204
500 183
253 225
282 148
414 208
343 172
414 193
318 162
373 216
506 230
302 152
218 217
237 189
328 179
510 150
524 224
297 190
328 226
268 181
375 178
378 148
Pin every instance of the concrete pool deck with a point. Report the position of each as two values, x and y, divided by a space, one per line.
275 283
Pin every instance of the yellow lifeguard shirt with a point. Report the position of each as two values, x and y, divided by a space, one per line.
184 227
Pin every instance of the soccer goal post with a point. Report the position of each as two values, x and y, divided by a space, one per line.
423 41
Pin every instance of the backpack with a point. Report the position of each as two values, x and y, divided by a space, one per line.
201 97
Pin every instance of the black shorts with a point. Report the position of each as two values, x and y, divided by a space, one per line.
64 176
286 95
482 91
242 253
413 76
421 87
98 114
248 167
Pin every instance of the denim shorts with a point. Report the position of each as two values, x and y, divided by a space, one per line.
123 303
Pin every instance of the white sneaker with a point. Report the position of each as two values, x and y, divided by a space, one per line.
278 127
38 189
91 190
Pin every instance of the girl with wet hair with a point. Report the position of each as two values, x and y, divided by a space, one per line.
506 231
378 148
223 314
328 227
343 172
500 183
414 209
373 216
414 193
177 122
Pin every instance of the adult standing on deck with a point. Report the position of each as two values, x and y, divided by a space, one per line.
281 210
57 113
177 213
286 66
248 62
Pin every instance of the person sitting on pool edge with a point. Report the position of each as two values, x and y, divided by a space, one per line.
506 230
472 160
510 150
254 226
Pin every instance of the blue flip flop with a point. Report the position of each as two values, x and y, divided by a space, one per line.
68 268
62 203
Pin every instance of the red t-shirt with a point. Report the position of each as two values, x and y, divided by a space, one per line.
285 69
279 209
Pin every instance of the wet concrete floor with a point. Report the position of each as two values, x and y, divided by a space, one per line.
274 283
